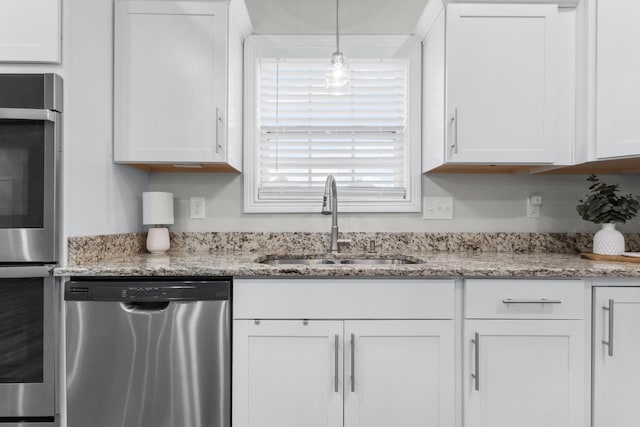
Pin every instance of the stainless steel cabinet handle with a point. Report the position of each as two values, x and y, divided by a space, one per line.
453 123
610 342
531 301
337 363
353 363
476 374
219 126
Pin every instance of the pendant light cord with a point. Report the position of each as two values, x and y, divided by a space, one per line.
337 26
277 111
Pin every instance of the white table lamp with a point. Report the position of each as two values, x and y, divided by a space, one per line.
157 210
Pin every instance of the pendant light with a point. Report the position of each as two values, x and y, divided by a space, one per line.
338 73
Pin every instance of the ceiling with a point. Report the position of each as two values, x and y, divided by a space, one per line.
319 16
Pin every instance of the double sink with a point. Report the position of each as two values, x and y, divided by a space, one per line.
337 261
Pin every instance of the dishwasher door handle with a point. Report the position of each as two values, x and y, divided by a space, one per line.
145 306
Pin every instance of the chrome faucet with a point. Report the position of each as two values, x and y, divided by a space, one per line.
330 207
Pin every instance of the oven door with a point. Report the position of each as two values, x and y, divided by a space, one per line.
29 143
27 355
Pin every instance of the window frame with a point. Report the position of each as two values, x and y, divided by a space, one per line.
258 46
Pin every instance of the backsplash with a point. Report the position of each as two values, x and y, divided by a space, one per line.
482 204
96 248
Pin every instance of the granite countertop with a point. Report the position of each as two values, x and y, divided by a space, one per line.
429 264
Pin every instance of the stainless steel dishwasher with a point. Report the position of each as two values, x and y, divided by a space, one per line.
148 353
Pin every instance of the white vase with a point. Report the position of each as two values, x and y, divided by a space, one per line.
158 240
608 241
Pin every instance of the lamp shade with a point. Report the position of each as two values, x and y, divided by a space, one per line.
157 208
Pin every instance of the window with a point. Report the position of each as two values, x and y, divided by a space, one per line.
297 134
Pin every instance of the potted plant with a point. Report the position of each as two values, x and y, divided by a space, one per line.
602 205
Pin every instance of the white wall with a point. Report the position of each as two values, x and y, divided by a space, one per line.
482 203
101 197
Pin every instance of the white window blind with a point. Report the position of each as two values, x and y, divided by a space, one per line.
305 133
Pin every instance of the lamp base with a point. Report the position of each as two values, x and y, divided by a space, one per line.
158 240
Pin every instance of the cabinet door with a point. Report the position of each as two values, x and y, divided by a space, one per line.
616 373
528 373
399 373
30 30
170 81
501 71
617 84
287 373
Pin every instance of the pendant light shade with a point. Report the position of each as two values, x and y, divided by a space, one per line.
338 72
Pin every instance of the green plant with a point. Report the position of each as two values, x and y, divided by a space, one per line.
603 205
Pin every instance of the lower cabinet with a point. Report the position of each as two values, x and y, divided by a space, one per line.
526 370
285 373
396 368
365 373
381 353
524 353
616 357
399 373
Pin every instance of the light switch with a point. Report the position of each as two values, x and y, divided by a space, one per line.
437 208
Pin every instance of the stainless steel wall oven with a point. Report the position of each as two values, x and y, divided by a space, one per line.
27 343
30 144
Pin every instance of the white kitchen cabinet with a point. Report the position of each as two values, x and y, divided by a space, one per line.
380 371
617 86
177 85
526 370
492 74
523 354
399 373
616 352
285 373
30 31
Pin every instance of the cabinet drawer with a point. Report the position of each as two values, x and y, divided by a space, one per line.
524 299
343 299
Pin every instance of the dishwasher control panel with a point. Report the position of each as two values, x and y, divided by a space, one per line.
138 291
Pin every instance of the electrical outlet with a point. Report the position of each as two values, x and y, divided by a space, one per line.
534 203
437 208
196 207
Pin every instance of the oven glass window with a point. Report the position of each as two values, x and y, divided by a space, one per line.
22 173
21 330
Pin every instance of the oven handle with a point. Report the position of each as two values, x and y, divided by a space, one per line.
27 114
25 272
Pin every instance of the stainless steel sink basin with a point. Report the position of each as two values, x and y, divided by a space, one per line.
376 261
337 261
299 261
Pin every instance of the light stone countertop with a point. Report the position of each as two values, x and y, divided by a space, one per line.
430 264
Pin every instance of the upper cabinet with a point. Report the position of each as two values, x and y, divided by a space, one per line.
178 85
616 81
501 69
30 31
494 90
